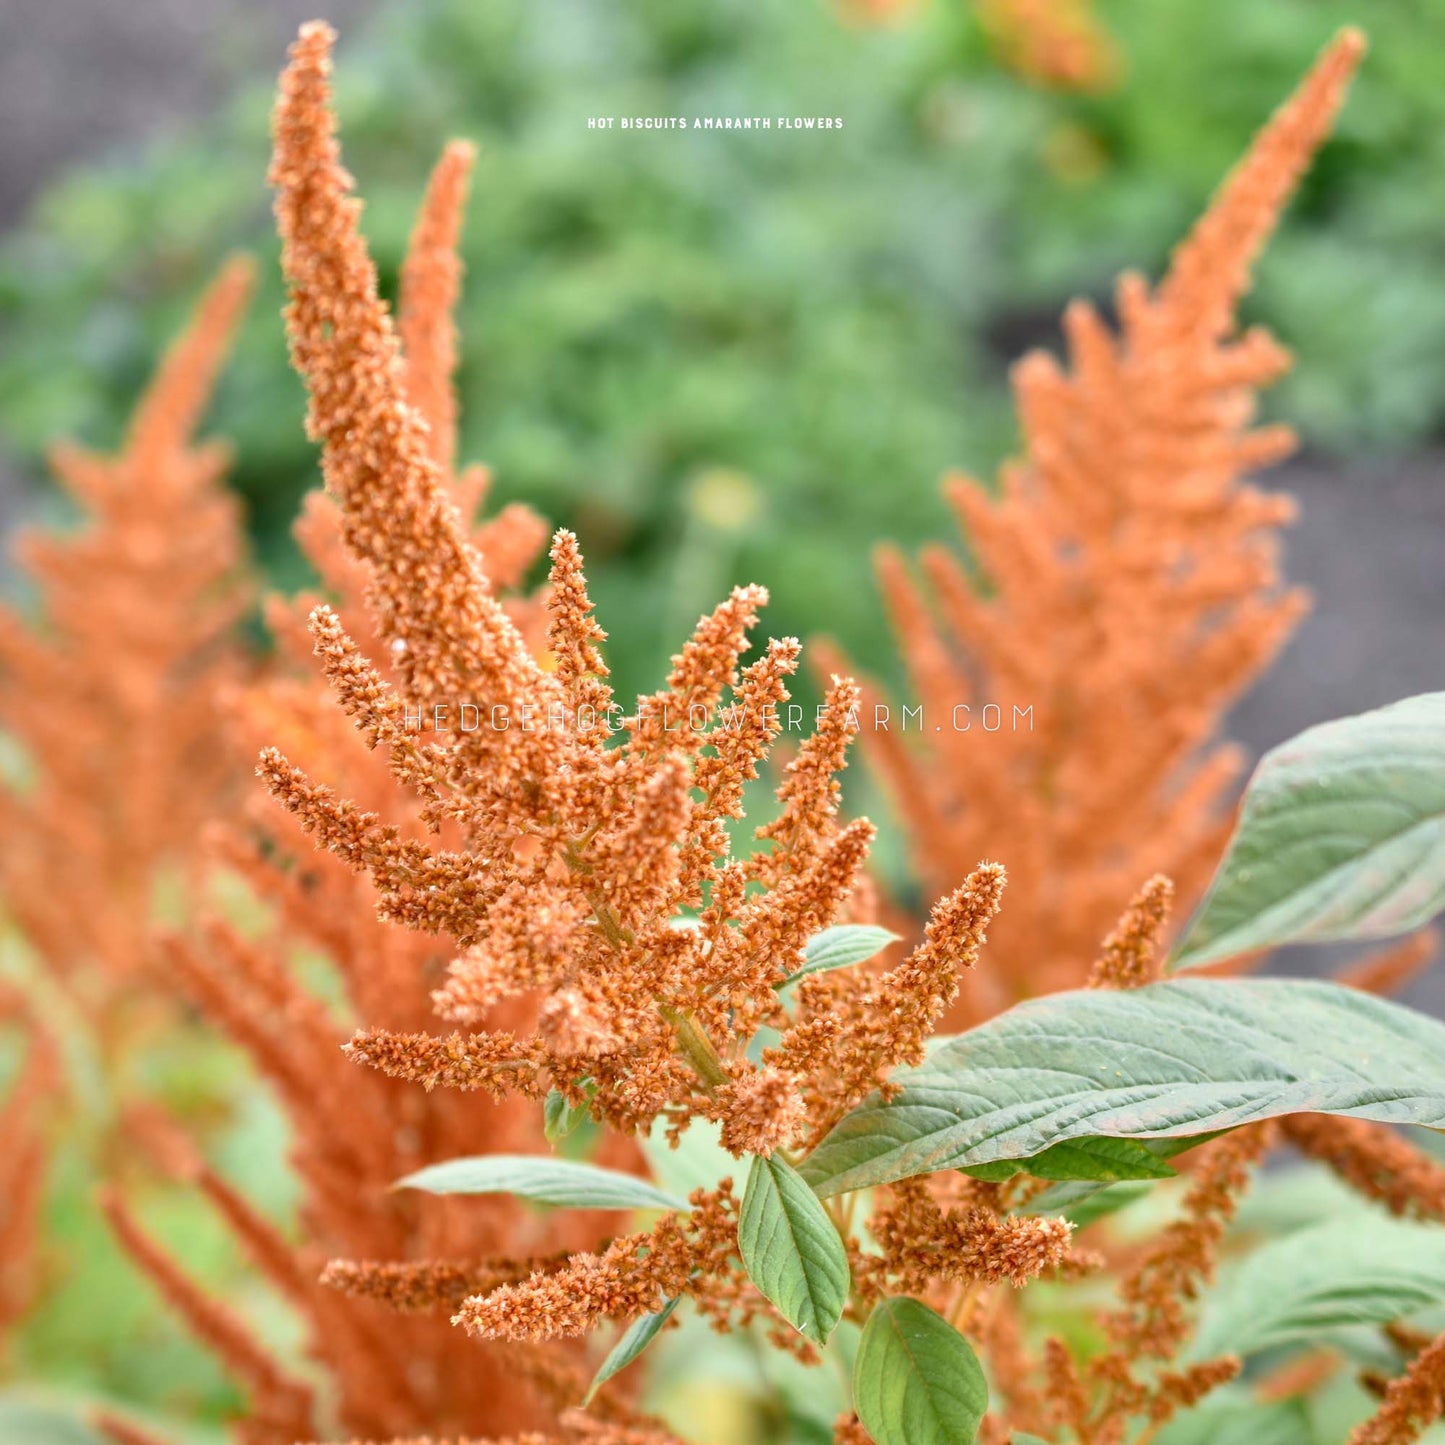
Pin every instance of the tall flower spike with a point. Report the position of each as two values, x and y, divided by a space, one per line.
1154 1320
573 636
1412 1403
748 729
538 818
436 611
280 1404
810 791
1131 952
612 947
25 1127
116 701
1055 43
1132 592
704 669
355 1134
431 278
850 1035
1373 1160
1210 271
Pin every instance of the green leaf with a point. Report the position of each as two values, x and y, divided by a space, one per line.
1082 1202
1342 835
1174 1059
1095 1160
1085 1200
559 1118
841 947
37 1424
791 1249
542 1180
638 1335
1239 1421
916 1380
1361 1271
1284 1201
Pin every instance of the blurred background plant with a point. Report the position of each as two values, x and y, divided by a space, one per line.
714 352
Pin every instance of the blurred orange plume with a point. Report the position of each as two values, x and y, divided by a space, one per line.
1127 591
115 694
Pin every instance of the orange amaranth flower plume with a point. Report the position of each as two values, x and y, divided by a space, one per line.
1373 1160
24 1117
559 879
607 941
115 696
1055 43
1133 1379
354 1136
1412 1403
1131 592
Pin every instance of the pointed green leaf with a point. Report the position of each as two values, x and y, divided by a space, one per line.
916 1380
636 1338
559 1118
1096 1160
841 947
1171 1060
1082 1202
1085 1200
791 1249
1361 1271
542 1180
1342 835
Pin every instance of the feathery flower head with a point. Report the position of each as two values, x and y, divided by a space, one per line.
117 697
1128 591
610 941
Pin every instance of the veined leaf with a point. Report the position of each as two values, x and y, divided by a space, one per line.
916 1380
1359 1271
1342 835
636 1338
1174 1059
542 1180
1101 1161
841 947
791 1248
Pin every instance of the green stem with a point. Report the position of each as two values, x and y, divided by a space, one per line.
696 1048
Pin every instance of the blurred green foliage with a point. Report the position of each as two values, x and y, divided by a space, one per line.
730 356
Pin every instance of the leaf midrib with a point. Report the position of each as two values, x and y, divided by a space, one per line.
896 1326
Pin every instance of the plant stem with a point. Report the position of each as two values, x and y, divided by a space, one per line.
696 1047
